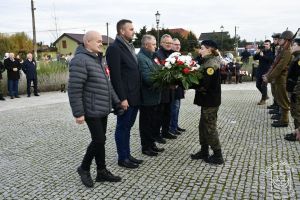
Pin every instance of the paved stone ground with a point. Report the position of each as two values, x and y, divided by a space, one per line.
41 147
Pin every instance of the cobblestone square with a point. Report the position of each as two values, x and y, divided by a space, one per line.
41 147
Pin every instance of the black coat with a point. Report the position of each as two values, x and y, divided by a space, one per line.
29 68
208 92
9 66
166 94
2 69
124 71
265 62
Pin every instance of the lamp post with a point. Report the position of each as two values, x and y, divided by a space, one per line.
236 41
157 17
222 29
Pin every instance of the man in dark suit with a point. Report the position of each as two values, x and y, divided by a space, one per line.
125 77
29 68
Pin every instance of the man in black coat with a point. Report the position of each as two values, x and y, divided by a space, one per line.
29 68
125 78
13 67
167 94
2 69
265 57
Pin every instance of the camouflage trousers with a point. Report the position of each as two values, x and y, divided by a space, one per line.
208 134
295 109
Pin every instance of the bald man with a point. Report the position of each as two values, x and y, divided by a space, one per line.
91 97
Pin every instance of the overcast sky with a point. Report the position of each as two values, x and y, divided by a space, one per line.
256 19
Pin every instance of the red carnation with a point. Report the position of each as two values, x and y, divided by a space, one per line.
186 70
179 62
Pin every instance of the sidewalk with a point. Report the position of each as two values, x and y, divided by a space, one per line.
41 147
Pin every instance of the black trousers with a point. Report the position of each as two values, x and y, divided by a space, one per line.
96 149
165 117
34 86
149 125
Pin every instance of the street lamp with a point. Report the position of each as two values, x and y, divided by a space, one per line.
157 17
222 29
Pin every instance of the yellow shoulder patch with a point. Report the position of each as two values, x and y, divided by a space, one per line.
299 63
210 71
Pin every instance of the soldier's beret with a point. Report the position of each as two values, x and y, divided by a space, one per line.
276 35
209 43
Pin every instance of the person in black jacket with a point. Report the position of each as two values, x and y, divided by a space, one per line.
265 57
2 69
245 56
167 94
29 68
126 80
208 96
91 98
13 67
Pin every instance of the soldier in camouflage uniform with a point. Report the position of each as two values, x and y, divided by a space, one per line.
208 96
293 86
279 75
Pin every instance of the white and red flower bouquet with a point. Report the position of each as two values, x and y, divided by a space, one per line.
177 69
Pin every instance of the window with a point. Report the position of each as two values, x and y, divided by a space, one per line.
64 44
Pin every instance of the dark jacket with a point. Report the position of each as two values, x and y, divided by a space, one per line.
150 96
90 91
208 92
9 66
125 75
29 68
2 69
265 62
293 72
245 56
167 95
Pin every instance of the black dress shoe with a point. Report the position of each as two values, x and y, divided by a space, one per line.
36 95
176 132
149 152
105 175
127 164
17 96
12 97
157 149
160 140
2 98
28 95
290 137
134 160
85 177
181 129
278 124
169 136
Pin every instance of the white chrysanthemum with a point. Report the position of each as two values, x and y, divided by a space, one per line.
172 60
168 65
175 54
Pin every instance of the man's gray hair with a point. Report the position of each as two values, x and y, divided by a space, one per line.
164 36
146 38
176 39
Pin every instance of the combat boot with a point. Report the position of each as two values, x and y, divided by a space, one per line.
1 98
274 111
276 117
284 120
216 158
202 154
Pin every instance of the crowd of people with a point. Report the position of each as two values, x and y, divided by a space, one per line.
13 65
125 86
279 64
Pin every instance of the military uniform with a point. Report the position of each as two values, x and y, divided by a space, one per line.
293 86
208 96
2 69
279 75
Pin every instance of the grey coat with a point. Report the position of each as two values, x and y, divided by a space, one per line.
90 91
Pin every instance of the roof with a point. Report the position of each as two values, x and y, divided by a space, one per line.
79 38
181 31
209 35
